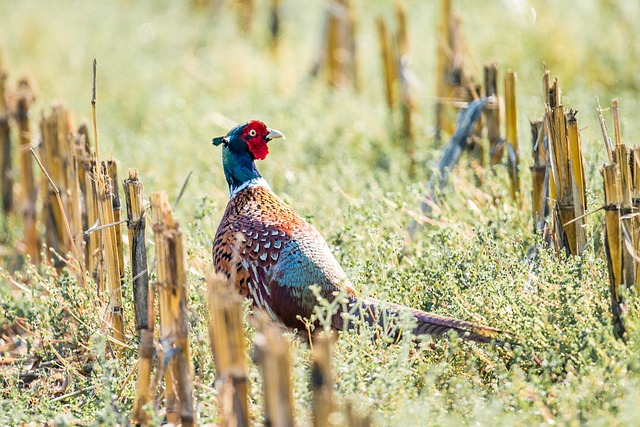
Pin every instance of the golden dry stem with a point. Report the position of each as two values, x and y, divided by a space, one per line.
136 225
25 98
143 385
228 343
511 119
322 381
613 240
62 211
387 63
492 114
172 296
340 44
272 355
142 298
539 170
113 287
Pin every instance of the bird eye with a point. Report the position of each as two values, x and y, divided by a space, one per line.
252 133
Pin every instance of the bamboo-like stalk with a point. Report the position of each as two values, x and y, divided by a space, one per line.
352 46
406 103
75 202
246 14
136 225
272 355
340 45
274 26
95 245
172 295
334 54
93 254
228 343
607 140
159 204
142 298
322 381
443 65
626 209
511 118
387 63
578 185
26 97
55 155
492 115
613 241
616 121
559 157
554 94
539 189
112 171
6 162
145 365
113 286
635 197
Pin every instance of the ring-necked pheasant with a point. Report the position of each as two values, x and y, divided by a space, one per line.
273 256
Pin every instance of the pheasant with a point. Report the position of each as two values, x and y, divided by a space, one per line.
273 256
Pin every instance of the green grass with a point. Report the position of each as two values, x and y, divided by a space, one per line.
166 76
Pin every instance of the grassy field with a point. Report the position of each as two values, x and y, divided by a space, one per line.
170 77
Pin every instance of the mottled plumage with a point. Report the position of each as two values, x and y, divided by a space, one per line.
273 256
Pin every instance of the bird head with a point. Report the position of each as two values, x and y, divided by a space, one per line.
251 137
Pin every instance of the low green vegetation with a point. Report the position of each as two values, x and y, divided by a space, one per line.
171 77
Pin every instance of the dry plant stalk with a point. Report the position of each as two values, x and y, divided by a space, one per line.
387 62
578 184
452 84
340 44
322 380
635 197
145 365
406 103
613 241
136 225
172 296
274 26
228 343
565 153
246 14
626 211
559 157
57 156
6 152
112 171
76 206
492 115
607 140
113 288
334 55
539 177
272 355
94 246
142 298
511 118
26 97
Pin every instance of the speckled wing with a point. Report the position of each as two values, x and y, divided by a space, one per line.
273 256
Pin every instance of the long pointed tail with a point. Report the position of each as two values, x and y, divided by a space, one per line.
375 311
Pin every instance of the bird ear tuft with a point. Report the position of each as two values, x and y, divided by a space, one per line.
220 140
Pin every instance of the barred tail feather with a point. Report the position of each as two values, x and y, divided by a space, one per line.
374 311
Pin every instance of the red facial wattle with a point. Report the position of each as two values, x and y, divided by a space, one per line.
254 134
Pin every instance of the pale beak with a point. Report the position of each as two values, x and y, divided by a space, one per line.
273 134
